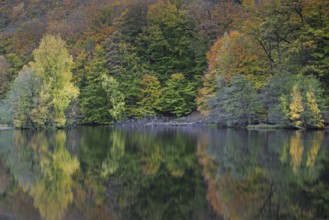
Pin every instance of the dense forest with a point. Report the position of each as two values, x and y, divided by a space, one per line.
238 62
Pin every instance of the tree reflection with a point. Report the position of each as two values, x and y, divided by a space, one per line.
43 168
154 173
296 150
314 150
250 175
158 177
53 192
150 159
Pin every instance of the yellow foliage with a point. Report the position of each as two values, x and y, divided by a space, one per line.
165 13
313 152
296 107
52 192
151 160
296 151
206 92
52 64
313 107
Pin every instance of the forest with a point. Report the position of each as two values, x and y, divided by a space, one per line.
237 62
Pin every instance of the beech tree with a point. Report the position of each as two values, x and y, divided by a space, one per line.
179 95
151 95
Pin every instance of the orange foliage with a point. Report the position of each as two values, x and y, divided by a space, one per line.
234 53
233 198
213 53
208 166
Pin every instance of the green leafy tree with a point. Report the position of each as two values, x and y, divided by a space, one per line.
22 98
114 96
179 95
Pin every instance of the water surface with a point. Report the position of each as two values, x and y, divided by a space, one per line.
163 173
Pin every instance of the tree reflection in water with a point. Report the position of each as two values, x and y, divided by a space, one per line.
43 168
163 173
266 175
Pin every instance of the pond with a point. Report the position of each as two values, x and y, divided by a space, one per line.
163 173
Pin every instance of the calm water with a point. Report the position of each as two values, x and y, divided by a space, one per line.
163 173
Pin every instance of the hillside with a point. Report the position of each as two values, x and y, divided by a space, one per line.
102 61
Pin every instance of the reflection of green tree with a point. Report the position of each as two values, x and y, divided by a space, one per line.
99 153
265 175
20 158
100 150
117 150
43 167
158 177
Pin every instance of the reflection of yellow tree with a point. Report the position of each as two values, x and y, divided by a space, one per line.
313 152
296 150
52 193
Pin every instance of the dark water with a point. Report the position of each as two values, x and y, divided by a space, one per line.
163 173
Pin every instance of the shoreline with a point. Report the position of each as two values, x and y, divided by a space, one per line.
2 128
189 122
180 122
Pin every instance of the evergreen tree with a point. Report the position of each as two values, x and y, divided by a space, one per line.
236 103
93 98
125 66
4 81
168 44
